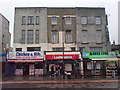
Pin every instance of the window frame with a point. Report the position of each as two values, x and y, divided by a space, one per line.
68 20
23 20
57 49
54 20
84 20
99 36
68 36
85 34
23 36
33 48
55 38
37 36
30 20
29 37
18 49
37 20
98 20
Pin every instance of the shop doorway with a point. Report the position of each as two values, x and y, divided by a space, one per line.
26 69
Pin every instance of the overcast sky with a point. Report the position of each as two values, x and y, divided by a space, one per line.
7 9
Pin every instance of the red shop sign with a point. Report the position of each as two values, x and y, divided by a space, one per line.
60 57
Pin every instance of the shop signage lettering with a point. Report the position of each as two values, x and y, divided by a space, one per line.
28 54
61 57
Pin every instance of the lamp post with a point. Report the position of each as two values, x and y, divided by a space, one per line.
63 45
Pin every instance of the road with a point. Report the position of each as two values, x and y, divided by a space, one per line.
33 82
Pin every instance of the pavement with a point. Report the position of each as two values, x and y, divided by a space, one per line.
59 82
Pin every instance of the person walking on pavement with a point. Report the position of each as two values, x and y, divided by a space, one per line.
52 71
113 73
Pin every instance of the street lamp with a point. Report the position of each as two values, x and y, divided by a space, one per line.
63 45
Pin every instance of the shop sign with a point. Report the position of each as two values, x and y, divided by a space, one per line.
25 55
25 60
60 57
112 54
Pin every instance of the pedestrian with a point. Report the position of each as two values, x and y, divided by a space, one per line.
78 72
52 71
113 73
60 70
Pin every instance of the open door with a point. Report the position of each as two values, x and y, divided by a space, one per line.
26 69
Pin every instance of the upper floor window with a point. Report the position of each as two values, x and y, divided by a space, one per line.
84 36
18 49
98 36
54 20
37 37
30 20
68 20
83 20
37 20
57 49
23 37
30 36
68 37
23 20
72 48
97 20
54 36
33 48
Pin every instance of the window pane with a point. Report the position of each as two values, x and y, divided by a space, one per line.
98 36
54 36
23 37
23 20
97 20
30 20
18 49
37 20
37 37
54 20
57 49
30 37
83 20
68 37
72 48
33 48
68 20
84 36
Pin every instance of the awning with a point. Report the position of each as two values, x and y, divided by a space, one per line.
25 60
108 59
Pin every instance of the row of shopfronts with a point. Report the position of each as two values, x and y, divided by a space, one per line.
43 63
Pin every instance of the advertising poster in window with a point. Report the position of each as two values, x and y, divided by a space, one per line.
19 72
38 71
68 67
98 65
89 65
31 69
